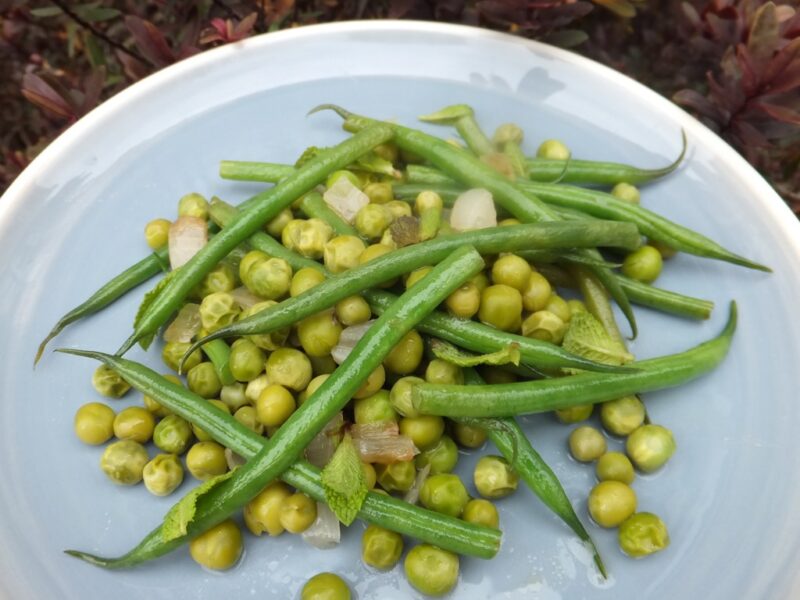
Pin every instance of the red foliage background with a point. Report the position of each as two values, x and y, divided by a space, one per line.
735 64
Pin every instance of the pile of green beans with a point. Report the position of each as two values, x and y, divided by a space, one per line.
260 360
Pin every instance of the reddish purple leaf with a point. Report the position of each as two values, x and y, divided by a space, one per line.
698 103
150 41
781 113
749 78
43 94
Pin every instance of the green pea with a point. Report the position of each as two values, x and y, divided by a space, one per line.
246 360
444 493
396 477
319 333
267 277
173 434
416 275
406 356
553 150
263 513
622 416
501 307
511 270
544 325
218 310
424 430
650 447
206 460
173 352
464 302
201 435
481 512
353 311
290 368
193 205
611 502
266 341
627 192
342 253
304 279
325 586
575 414
234 396
203 380
374 382
379 192
307 238
134 423
401 396
274 405
152 404
369 474
322 365
376 408
586 444
469 436
614 466
559 307
248 416
494 477
255 387
372 220
297 513
373 251
443 372
276 226
642 534
94 423
643 264
399 208
163 475
431 570
441 456
220 279
381 548
156 233
665 250
576 306
337 175
219 548
107 382
123 462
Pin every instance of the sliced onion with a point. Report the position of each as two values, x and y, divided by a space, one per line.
349 337
245 298
187 236
474 209
345 199
325 533
382 443
412 495
321 448
185 326
233 459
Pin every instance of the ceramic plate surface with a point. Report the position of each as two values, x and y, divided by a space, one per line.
75 218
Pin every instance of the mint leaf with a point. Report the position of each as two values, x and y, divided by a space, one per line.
150 296
344 482
588 338
457 356
180 516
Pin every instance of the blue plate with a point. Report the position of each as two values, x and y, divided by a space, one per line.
75 217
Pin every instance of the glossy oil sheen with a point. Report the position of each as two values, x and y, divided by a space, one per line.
76 217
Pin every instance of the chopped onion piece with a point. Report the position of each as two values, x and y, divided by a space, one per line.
186 236
325 533
348 339
185 326
233 459
382 443
345 199
321 448
245 298
412 495
474 209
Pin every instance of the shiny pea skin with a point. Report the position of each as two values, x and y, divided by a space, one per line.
342 253
173 352
501 307
424 430
643 264
614 466
559 307
406 356
319 333
494 477
206 460
401 396
431 570
445 494
134 423
464 302
374 409
381 548
397 476
481 512
203 380
443 372
353 311
511 270
156 233
586 444
297 513
263 513
290 368
305 279
193 205
274 405
536 293
325 586
574 414
611 502
469 436
650 447
246 360
173 434
233 396
545 326
107 382
94 423
247 416
622 416
219 548
163 475
374 382
441 456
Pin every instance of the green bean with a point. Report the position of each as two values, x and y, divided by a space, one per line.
219 354
315 207
596 172
565 392
472 335
254 171
596 301
284 447
165 299
514 445
384 511
462 117
130 278
466 168
484 339
387 267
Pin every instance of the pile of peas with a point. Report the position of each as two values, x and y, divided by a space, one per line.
270 375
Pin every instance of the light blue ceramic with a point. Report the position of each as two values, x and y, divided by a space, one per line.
75 217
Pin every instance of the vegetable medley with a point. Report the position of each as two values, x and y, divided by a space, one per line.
389 303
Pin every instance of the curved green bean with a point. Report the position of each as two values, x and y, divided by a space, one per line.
165 299
446 532
564 392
